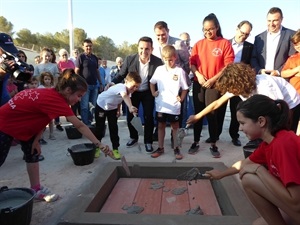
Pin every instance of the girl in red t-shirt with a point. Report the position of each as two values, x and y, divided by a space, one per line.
25 116
270 175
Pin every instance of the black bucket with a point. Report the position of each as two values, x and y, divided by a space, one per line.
82 154
16 206
72 132
248 150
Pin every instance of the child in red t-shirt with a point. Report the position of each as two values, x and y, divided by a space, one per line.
30 111
270 175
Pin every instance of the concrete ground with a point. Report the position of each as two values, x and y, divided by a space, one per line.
59 173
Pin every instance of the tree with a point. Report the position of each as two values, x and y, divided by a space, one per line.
6 26
125 49
25 39
79 36
104 47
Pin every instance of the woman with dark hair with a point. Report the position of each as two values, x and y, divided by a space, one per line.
22 57
208 57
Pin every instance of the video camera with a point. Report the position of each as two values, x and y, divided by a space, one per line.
21 70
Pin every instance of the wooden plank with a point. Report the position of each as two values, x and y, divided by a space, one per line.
202 194
174 204
149 198
123 194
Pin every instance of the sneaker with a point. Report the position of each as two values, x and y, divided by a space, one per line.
177 153
116 153
149 148
43 142
194 148
52 137
59 127
214 151
97 153
131 143
158 152
44 196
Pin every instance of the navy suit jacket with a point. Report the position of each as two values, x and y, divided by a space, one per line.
132 64
246 52
283 51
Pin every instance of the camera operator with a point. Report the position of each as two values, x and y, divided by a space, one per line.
6 44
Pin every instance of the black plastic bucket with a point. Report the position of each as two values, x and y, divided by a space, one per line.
16 206
82 154
248 150
72 132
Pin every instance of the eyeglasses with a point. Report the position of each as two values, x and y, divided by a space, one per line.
244 34
208 30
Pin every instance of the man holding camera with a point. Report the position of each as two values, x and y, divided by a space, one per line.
6 44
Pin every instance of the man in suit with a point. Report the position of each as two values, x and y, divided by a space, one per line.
145 63
242 51
273 46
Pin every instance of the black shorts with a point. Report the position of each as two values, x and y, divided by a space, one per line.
165 117
26 146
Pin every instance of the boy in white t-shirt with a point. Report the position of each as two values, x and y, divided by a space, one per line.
169 79
108 106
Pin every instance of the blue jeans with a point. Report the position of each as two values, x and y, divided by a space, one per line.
90 96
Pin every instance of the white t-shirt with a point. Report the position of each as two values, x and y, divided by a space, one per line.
275 88
168 84
112 97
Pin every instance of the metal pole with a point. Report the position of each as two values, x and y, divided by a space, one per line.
71 31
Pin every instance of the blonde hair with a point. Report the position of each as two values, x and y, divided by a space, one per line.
168 51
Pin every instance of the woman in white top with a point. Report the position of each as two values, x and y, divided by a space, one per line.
239 79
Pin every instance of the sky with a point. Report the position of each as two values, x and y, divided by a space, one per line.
128 20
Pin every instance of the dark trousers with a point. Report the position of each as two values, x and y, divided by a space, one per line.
112 119
147 101
234 124
216 118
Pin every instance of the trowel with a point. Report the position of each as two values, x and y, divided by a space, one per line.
192 174
137 124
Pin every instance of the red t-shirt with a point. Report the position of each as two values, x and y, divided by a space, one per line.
29 112
282 156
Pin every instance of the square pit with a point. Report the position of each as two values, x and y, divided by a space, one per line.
86 207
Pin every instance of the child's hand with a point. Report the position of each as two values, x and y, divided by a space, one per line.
178 98
192 119
156 93
213 174
133 110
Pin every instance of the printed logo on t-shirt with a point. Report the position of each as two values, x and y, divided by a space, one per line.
175 77
217 52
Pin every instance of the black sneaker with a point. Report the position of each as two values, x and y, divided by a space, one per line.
215 152
131 143
194 148
59 127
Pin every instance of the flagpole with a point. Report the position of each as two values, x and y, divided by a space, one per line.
71 30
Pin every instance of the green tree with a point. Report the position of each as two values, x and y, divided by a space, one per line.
6 26
125 49
79 36
26 39
104 47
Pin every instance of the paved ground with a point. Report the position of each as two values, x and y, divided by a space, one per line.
64 178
